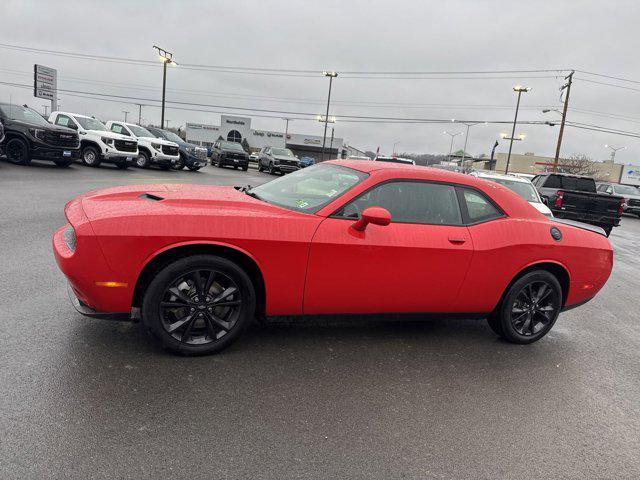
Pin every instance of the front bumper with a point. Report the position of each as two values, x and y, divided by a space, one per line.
87 311
160 158
286 168
632 209
235 162
116 156
193 161
40 152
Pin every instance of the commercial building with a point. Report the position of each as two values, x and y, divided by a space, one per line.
238 129
606 171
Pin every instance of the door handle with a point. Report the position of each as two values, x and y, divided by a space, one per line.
457 240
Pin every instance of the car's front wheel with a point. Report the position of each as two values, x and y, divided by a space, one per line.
90 156
199 304
17 152
143 160
179 165
272 171
529 308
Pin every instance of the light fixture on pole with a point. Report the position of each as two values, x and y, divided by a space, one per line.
452 135
613 151
167 59
519 90
331 76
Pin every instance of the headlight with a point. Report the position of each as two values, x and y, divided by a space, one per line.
157 146
37 133
107 141
191 150
70 238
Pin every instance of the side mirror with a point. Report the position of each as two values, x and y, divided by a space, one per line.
375 215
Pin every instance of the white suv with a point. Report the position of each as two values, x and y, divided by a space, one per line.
151 150
97 143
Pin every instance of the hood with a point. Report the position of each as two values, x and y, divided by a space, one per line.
542 208
161 141
51 127
110 134
175 200
285 157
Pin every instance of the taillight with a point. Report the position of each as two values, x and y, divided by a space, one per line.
621 207
559 198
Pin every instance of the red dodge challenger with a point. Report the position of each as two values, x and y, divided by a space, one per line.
197 263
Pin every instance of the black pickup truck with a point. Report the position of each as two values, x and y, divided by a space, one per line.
29 136
575 197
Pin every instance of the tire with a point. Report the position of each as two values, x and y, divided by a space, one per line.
607 230
122 166
219 164
244 169
176 314
63 163
271 169
194 169
529 309
180 164
17 152
143 160
90 156
260 169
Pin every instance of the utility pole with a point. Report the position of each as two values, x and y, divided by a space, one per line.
125 114
139 113
331 76
331 144
567 85
286 131
519 91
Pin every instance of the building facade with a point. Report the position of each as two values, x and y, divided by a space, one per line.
238 129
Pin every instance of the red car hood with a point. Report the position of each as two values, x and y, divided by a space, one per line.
174 199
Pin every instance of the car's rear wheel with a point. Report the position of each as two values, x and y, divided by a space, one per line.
199 304
17 152
529 309
90 156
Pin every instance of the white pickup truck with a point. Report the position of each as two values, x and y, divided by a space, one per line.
97 143
151 150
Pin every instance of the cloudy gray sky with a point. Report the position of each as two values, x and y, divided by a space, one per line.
373 35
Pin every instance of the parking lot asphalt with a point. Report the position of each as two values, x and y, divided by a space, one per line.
84 398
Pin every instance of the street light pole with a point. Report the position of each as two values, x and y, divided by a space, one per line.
394 147
613 151
139 113
331 76
166 58
125 114
519 90
286 131
451 146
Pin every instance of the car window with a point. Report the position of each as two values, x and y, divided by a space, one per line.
116 127
63 121
409 202
478 207
553 181
578 183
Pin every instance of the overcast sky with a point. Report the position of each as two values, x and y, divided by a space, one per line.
345 35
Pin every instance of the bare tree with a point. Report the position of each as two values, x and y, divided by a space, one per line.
579 164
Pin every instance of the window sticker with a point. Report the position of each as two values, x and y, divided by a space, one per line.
303 204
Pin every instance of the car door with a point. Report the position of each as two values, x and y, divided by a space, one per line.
417 263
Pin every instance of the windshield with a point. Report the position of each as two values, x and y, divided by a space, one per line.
309 189
22 114
231 146
140 132
281 152
626 190
524 189
172 137
91 124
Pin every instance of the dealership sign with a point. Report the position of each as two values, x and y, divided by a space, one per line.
45 82
630 175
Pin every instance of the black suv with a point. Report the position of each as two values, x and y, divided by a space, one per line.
28 136
191 156
230 154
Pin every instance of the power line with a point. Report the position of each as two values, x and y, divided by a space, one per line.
608 76
607 84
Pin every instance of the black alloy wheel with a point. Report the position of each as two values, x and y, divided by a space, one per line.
199 304
529 309
17 152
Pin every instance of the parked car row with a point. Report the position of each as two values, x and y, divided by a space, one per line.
68 136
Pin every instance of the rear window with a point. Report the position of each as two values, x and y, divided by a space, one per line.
578 183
